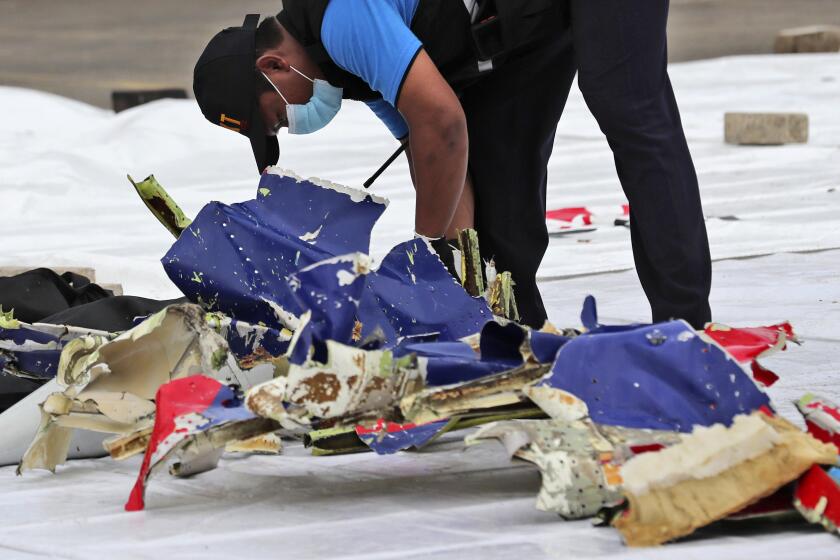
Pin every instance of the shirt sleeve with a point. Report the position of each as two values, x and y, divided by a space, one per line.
370 38
390 116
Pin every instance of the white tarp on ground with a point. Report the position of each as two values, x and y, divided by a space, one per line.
65 201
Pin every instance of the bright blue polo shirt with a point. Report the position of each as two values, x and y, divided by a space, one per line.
373 40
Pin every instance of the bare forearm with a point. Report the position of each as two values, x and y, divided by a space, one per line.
464 217
439 163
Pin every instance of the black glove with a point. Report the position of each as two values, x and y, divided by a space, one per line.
444 247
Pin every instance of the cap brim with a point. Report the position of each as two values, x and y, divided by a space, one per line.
266 149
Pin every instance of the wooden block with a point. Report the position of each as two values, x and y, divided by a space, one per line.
765 128
816 38
83 270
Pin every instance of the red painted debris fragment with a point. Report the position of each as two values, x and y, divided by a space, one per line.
646 448
381 425
174 399
580 215
763 375
822 418
747 344
817 498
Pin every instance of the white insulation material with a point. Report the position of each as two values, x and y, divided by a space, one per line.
66 200
705 453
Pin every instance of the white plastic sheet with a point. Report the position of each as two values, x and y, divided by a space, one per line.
66 201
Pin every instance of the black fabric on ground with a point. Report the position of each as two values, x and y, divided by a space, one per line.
42 296
112 314
13 389
41 292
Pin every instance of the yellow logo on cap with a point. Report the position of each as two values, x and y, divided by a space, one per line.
230 123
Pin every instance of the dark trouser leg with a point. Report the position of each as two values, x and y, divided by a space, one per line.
620 47
512 116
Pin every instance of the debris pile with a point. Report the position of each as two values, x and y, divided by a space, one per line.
293 332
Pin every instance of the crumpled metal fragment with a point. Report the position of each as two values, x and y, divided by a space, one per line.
238 258
351 383
32 351
196 417
747 344
471 269
161 205
578 459
712 473
664 376
500 296
389 437
817 497
822 417
578 478
485 393
108 384
300 248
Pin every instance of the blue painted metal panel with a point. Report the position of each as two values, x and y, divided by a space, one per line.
234 258
388 438
661 376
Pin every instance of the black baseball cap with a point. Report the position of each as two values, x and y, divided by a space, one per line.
224 83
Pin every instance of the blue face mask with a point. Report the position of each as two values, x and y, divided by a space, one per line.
315 114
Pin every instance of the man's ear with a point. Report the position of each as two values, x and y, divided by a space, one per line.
270 62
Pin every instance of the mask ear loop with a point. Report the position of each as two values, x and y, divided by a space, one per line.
301 73
275 87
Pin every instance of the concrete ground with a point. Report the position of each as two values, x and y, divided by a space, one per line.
87 48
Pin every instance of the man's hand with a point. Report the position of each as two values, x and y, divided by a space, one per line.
438 144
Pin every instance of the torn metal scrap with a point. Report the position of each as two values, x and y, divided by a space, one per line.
500 346
270 260
417 296
578 462
748 344
488 392
410 295
501 297
471 269
196 417
237 258
32 350
579 219
123 446
664 376
161 205
817 497
263 444
108 385
712 473
822 418
250 344
338 440
351 383
386 438
578 459
339 382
